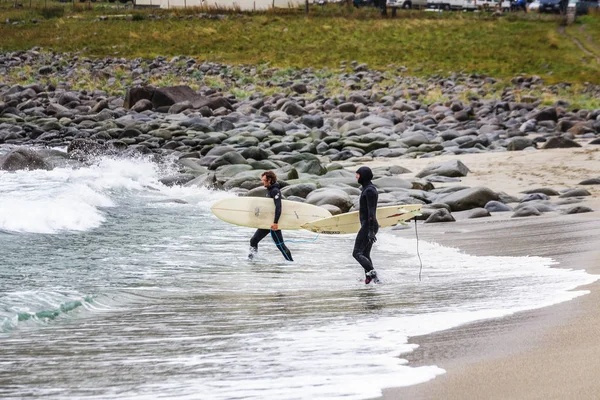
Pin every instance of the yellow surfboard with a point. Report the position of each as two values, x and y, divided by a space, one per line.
258 212
350 222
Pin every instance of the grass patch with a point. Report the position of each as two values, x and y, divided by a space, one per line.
425 43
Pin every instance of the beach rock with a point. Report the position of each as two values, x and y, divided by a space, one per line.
546 191
440 215
177 180
578 210
577 192
534 196
526 211
398 170
467 199
334 210
167 96
547 114
135 94
452 168
478 213
228 158
299 190
208 180
519 143
540 205
336 197
557 142
142 105
591 181
390 182
496 206
22 158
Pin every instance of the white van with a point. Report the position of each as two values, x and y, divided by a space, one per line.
452 4
408 4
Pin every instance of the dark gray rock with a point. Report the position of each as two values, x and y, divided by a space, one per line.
534 196
558 142
255 153
213 103
292 108
591 181
439 215
142 105
496 206
577 192
546 191
135 94
299 88
167 96
541 205
578 210
300 190
478 213
177 180
336 197
312 121
527 211
519 143
22 158
467 199
452 168
228 158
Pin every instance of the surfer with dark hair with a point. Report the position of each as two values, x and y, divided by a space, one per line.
368 224
269 180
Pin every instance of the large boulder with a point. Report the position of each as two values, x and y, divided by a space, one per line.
439 215
22 158
167 96
137 93
558 142
470 198
299 190
229 158
336 197
391 182
211 102
451 168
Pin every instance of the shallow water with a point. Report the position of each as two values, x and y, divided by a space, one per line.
110 289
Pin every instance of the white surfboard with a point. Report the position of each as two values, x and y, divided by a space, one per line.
350 222
258 212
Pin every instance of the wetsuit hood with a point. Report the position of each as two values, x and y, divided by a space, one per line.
366 175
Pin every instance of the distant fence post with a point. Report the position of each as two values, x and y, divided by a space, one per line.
306 6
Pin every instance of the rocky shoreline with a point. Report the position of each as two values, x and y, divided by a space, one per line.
308 126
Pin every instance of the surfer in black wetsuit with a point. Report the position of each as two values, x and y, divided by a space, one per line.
368 224
269 180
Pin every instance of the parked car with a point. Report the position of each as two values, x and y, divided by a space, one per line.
408 4
534 6
582 7
445 4
550 6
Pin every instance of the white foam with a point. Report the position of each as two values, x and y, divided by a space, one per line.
67 199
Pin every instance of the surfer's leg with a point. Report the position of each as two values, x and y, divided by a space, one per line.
362 249
362 254
278 239
259 235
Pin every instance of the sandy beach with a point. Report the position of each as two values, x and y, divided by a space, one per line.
553 352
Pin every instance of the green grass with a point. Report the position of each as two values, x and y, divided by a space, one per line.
426 43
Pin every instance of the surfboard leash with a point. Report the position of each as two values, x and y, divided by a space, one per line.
418 255
279 244
296 241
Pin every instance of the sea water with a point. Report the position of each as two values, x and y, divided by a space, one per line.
113 285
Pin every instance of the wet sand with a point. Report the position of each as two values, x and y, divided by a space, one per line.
549 353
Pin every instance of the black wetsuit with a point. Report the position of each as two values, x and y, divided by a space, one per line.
274 193
368 220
